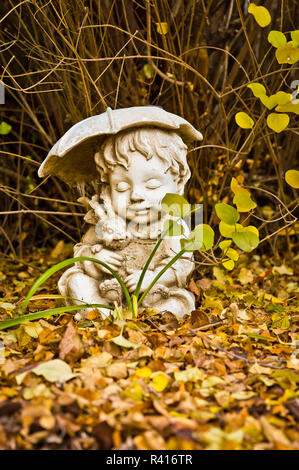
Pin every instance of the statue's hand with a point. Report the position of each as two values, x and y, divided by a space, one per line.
111 258
132 280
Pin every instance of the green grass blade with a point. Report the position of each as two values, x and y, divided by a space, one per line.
134 306
66 263
47 313
138 287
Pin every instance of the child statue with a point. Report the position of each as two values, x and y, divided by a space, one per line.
138 160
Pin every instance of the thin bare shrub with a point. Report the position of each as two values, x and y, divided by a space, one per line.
63 61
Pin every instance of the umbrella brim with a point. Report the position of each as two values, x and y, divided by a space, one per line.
72 157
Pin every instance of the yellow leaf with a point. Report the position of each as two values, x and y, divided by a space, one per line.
272 298
232 254
252 229
148 71
224 245
117 370
97 360
292 178
245 276
33 329
290 107
219 274
54 371
215 304
261 14
277 38
227 230
257 369
222 397
5 128
293 230
295 37
279 98
228 264
257 89
287 54
244 121
144 372
47 422
121 341
245 240
134 391
212 381
191 85
244 202
273 434
283 269
243 395
236 436
193 374
162 28
267 101
160 381
236 188
278 122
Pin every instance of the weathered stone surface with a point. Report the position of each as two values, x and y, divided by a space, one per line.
137 155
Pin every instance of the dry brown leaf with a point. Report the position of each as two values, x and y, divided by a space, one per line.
70 347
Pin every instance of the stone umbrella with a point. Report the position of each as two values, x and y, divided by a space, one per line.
72 157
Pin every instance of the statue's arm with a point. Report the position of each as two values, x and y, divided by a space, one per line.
90 248
179 272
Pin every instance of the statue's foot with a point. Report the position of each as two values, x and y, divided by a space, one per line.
178 301
80 288
110 290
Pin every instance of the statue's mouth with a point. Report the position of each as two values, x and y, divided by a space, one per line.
140 210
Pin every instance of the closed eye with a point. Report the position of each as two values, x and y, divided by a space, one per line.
122 186
153 184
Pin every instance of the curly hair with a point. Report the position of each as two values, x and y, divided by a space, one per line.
149 141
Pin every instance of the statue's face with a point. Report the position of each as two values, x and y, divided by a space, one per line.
136 193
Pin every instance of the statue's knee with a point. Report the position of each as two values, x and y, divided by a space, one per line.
74 283
80 283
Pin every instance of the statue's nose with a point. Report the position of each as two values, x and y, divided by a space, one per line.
136 196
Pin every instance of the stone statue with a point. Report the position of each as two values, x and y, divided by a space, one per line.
135 156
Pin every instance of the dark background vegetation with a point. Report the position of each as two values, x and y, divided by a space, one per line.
63 61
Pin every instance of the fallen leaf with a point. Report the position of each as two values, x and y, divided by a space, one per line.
159 381
117 370
272 433
123 342
192 374
54 371
70 347
97 360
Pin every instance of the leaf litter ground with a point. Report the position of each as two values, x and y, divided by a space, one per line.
224 378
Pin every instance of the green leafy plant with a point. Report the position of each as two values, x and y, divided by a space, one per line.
5 128
173 204
287 52
246 238
201 239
